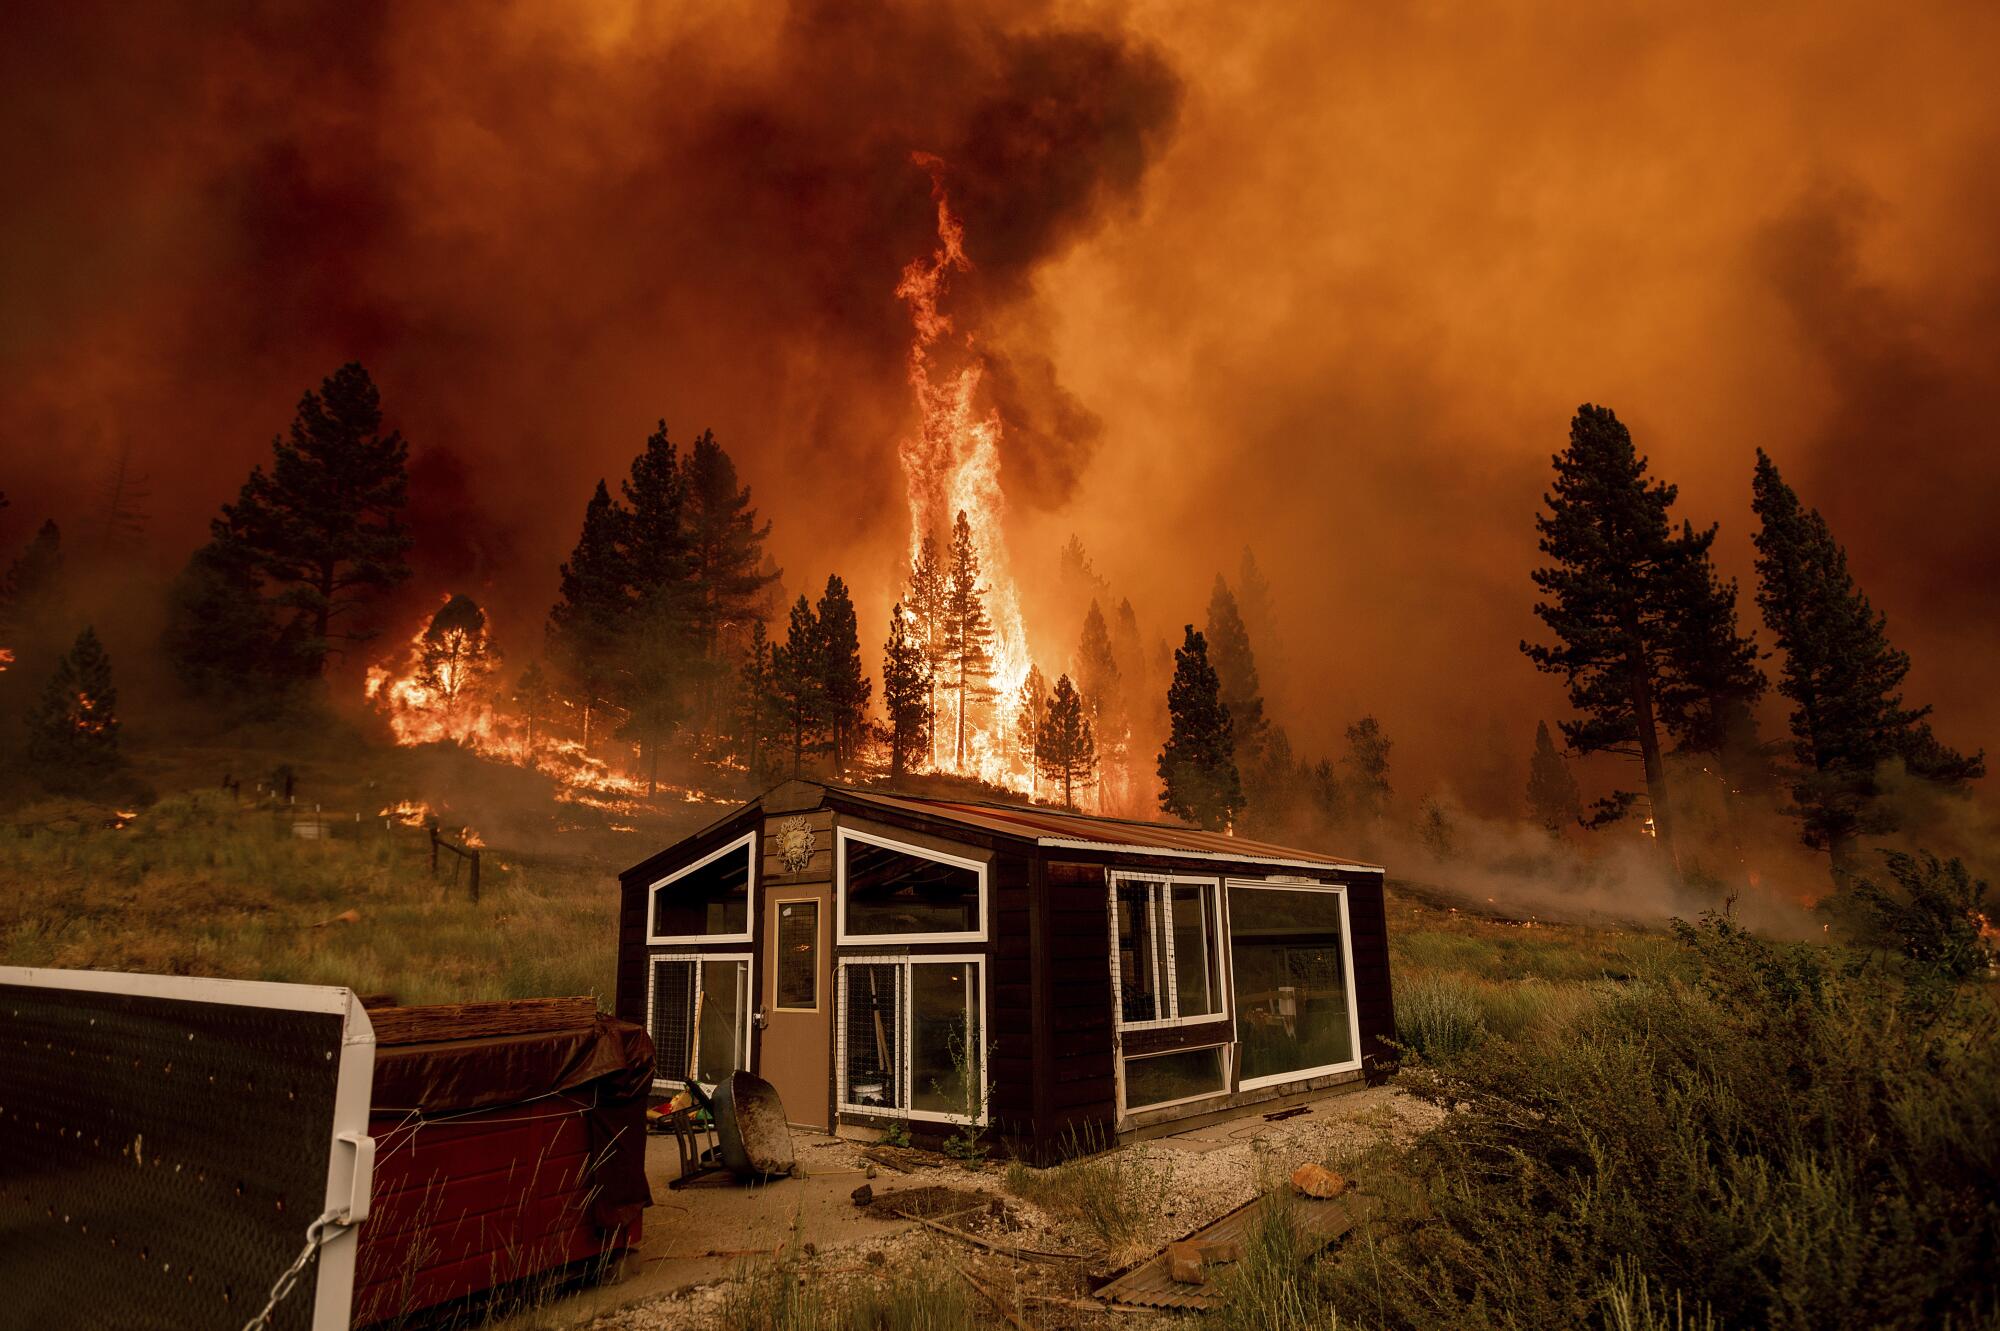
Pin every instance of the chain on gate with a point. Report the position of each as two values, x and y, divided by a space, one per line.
315 1239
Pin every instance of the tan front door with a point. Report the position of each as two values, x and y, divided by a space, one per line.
797 1001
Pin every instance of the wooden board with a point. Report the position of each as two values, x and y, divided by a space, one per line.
471 1021
1151 1285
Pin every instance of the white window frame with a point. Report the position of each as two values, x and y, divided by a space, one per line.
749 960
747 844
1166 986
1221 1052
903 962
842 937
1279 884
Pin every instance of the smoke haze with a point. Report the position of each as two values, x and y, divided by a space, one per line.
1323 279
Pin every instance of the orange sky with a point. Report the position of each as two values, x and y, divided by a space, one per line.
1326 279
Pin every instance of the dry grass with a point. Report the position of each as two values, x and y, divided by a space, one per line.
194 886
1109 1198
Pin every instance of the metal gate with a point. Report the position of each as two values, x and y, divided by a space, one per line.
170 1147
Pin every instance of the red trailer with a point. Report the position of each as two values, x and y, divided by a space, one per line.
510 1151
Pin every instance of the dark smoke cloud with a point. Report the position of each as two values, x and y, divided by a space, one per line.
542 228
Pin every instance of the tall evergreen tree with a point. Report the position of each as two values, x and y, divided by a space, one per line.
1103 689
1709 696
1843 677
659 654
1065 749
1031 705
842 685
73 732
33 583
727 565
1553 798
906 692
221 637
968 634
1198 777
1235 667
455 659
800 683
760 724
589 618
1367 763
121 506
925 605
1260 613
324 527
533 696
1612 582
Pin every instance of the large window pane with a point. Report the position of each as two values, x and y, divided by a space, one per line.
1291 990
1138 953
1196 974
725 991
714 899
944 1038
892 892
872 1027
672 1024
1177 1076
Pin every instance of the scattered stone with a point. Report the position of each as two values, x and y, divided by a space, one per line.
863 1195
870 1172
1188 1260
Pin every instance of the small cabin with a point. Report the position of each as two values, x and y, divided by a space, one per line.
1043 976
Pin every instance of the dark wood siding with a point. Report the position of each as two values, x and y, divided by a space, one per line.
1081 1097
1009 997
1367 920
633 886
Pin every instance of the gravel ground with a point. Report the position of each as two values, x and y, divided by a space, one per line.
1187 1181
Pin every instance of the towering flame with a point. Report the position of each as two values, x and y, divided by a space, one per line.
952 465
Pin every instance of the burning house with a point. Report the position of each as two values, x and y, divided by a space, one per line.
884 959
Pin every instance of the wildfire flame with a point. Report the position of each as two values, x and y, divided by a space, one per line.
952 465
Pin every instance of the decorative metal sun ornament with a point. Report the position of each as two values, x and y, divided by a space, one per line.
795 844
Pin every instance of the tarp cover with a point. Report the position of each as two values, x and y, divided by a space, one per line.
607 1067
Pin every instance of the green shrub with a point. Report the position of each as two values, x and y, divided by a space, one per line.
1437 1016
1780 1141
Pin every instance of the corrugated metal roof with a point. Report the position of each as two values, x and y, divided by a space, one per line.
1078 831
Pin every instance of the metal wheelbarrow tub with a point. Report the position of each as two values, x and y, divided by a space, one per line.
750 1126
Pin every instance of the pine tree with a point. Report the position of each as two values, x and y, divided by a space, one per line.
842 685
1260 614
925 604
658 652
906 692
798 681
1367 764
1611 584
1326 794
1553 798
760 725
455 659
968 634
1197 766
1708 698
73 732
589 618
1031 705
121 506
324 526
32 585
221 637
1843 677
1065 748
727 565
1102 686
1235 667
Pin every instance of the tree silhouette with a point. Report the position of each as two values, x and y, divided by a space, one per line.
843 688
588 620
925 605
906 692
455 660
968 634
1065 749
324 526
1843 677
726 563
1610 585
1367 763
799 682
73 731
1031 705
1553 798
1198 778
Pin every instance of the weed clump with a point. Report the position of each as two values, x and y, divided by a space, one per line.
1113 1196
